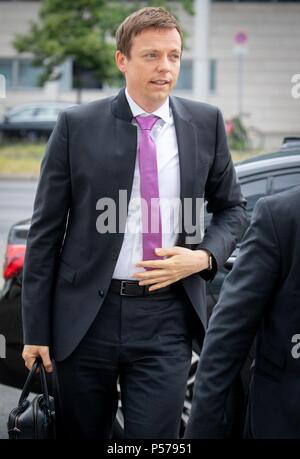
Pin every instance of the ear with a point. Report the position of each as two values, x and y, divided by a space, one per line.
121 61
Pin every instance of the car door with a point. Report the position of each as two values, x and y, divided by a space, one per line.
253 187
283 180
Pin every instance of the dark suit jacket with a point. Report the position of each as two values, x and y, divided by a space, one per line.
261 294
91 154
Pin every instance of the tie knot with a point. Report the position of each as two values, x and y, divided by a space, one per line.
146 122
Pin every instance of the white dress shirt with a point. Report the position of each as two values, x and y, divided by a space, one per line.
164 136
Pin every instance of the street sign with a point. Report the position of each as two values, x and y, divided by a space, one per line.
240 43
241 38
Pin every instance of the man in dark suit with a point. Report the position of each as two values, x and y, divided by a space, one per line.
260 297
107 296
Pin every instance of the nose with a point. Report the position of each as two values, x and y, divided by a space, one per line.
164 64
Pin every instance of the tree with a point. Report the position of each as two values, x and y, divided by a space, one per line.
82 30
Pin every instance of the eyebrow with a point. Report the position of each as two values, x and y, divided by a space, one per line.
176 50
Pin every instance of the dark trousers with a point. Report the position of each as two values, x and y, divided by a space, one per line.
145 343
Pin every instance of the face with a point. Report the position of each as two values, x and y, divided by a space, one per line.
152 69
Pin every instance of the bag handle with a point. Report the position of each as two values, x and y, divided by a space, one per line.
38 364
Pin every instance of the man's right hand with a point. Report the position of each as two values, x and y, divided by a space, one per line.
30 353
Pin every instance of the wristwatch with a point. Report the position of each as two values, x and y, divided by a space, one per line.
210 261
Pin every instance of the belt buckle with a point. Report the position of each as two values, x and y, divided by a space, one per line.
122 289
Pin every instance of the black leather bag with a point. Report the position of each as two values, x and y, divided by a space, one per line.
33 419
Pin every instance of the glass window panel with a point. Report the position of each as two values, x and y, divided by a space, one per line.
24 114
28 75
253 190
283 182
6 69
185 80
46 114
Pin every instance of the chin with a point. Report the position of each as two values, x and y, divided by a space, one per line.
160 98
162 94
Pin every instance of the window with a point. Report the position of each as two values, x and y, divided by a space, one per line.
253 190
28 75
20 73
85 78
47 114
285 181
185 80
24 114
6 69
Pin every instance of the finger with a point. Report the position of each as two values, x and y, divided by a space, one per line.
47 362
167 252
151 274
152 264
29 361
157 280
161 285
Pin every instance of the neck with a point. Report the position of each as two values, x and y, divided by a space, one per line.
148 107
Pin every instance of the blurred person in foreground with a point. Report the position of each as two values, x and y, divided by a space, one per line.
260 297
124 303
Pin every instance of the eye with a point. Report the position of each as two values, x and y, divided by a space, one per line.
151 55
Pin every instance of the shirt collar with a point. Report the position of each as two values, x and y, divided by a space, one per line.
164 111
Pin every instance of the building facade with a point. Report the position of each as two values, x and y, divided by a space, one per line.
253 64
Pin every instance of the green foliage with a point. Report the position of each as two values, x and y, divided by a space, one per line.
238 136
83 30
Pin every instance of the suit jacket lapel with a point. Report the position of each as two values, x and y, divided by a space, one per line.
126 146
187 149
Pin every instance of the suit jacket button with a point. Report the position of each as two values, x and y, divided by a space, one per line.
114 256
101 292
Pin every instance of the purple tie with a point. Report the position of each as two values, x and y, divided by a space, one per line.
151 219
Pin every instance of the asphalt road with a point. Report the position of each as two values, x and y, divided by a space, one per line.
16 203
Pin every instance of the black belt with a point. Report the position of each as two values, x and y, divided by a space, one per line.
132 288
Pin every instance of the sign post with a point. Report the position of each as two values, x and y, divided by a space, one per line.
240 50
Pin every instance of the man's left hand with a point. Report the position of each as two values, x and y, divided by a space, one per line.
178 264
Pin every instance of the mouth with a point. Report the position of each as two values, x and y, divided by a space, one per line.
160 82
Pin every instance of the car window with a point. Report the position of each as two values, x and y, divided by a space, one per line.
285 181
253 190
24 114
46 114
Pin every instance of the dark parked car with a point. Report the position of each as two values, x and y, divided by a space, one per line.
259 176
31 121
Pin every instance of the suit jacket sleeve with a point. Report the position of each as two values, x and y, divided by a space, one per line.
45 237
225 202
246 293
